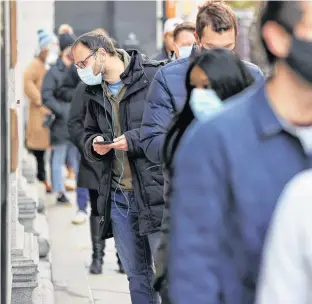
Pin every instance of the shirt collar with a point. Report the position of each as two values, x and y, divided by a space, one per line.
267 123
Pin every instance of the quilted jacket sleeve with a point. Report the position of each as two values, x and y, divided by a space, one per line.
91 130
157 117
77 116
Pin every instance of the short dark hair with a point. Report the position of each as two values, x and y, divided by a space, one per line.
218 15
95 41
185 26
285 13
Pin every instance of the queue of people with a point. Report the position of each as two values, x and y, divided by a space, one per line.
184 156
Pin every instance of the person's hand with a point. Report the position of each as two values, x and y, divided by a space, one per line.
44 110
100 149
120 143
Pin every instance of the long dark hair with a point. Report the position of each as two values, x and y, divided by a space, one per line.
227 75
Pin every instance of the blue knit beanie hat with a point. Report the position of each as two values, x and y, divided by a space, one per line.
45 39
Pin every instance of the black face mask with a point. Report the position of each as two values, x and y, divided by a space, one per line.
204 50
300 58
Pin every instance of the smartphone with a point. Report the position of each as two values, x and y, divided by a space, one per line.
108 142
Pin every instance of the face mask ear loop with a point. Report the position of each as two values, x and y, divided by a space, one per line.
102 67
119 187
122 170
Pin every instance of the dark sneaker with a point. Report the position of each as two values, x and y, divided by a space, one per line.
62 199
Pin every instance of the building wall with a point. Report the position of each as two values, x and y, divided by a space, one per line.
31 16
119 18
5 89
83 16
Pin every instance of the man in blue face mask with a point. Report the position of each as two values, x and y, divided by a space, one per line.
184 39
130 199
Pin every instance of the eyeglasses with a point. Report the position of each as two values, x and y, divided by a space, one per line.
81 64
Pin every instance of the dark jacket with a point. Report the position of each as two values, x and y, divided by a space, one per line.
147 178
90 174
162 55
225 189
69 85
59 105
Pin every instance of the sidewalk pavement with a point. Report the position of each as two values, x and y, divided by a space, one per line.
71 256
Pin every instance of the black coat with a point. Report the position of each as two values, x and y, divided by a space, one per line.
70 83
52 84
89 173
147 177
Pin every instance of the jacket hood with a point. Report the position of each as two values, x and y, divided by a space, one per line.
134 70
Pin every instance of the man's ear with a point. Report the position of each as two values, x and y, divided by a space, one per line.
277 40
176 50
101 51
197 41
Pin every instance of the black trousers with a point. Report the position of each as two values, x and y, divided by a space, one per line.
94 210
41 173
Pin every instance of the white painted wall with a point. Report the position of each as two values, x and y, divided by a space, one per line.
31 16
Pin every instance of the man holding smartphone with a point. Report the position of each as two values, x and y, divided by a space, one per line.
130 194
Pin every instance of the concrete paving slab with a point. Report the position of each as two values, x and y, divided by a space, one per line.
105 297
71 256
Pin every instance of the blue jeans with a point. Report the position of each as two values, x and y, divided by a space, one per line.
73 159
58 161
135 251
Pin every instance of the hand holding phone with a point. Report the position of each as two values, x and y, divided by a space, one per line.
103 143
100 146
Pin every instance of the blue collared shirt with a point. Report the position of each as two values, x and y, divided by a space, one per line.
229 173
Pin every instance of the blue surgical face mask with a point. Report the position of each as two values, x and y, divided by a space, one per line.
185 51
205 103
88 77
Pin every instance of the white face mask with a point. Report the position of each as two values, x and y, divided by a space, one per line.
205 103
88 77
53 54
185 51
51 58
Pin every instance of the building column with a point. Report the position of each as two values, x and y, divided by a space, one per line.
24 246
